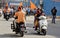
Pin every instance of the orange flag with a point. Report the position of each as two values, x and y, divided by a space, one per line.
21 4
32 5
6 4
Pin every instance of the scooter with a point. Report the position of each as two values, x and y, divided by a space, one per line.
20 30
43 24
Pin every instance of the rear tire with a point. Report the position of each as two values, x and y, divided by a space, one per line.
21 34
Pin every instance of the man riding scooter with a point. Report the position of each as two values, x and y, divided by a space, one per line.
6 10
38 13
43 24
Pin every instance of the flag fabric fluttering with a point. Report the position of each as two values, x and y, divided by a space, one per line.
21 4
32 5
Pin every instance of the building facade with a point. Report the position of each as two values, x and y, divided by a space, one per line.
25 2
49 4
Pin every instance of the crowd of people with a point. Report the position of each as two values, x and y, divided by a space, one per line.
24 11
21 12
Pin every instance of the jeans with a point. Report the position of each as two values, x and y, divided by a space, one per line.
53 19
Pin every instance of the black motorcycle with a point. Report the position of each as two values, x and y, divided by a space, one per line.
18 29
7 15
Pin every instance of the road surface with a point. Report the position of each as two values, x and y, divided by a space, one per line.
6 32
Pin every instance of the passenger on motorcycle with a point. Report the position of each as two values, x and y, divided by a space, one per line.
6 10
38 14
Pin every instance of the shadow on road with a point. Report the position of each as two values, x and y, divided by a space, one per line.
9 35
34 34
17 35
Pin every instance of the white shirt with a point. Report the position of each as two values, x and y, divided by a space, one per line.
24 10
11 10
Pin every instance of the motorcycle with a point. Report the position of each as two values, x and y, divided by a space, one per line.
7 16
43 24
20 29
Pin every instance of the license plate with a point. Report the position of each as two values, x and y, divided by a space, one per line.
22 29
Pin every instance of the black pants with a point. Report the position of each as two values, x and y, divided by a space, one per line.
18 25
6 15
53 19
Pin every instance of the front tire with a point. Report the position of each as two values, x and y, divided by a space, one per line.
44 32
6 19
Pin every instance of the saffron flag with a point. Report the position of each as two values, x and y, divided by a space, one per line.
21 4
32 5
6 4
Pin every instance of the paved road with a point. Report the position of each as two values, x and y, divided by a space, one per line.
6 32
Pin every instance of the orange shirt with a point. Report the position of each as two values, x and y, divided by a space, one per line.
20 16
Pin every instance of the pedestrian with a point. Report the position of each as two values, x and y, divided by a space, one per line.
34 11
53 11
28 10
11 11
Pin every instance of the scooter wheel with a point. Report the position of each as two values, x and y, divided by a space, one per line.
44 32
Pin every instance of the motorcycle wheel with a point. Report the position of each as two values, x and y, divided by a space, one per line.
6 19
21 34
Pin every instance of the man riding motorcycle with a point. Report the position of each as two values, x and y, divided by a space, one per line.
20 18
38 13
6 10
